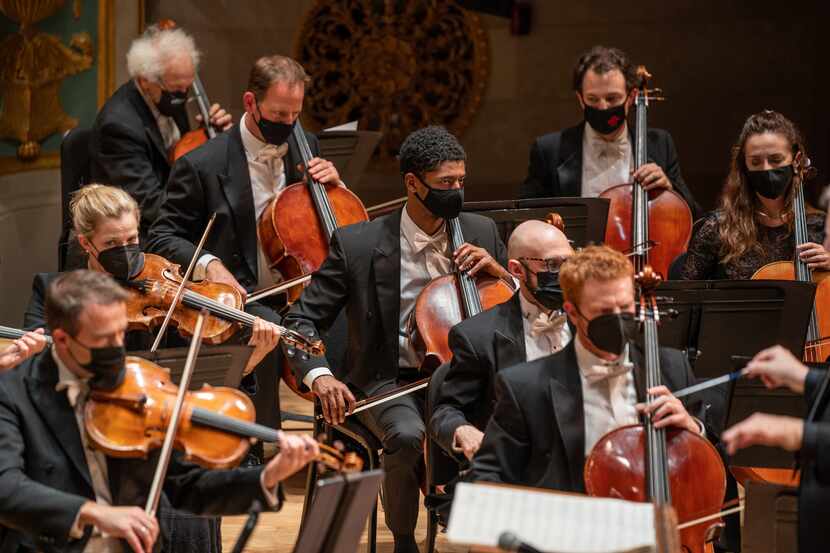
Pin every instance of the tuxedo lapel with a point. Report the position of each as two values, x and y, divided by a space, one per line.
236 185
569 171
59 416
386 265
566 398
509 335
292 159
151 127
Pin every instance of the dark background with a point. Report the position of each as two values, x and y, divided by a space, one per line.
717 62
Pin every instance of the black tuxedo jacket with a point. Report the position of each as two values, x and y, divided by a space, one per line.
536 436
44 478
363 273
127 150
214 178
555 167
481 346
814 490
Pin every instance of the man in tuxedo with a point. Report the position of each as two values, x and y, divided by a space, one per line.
235 176
135 129
597 154
376 270
777 367
528 326
58 493
550 412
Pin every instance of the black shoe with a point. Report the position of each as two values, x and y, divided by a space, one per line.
406 545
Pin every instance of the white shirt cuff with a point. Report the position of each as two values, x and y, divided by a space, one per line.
312 375
201 266
270 494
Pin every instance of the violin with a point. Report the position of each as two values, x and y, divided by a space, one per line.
664 466
653 229
817 347
152 292
215 431
196 137
449 299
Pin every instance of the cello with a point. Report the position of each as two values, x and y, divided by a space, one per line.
664 466
196 137
653 229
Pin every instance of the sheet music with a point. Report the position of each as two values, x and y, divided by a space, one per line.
350 126
553 522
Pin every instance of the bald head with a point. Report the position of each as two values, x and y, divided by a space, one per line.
538 239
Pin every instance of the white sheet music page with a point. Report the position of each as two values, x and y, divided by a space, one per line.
552 522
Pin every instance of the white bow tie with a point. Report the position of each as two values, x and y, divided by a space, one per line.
607 369
545 323
74 390
272 156
615 148
438 241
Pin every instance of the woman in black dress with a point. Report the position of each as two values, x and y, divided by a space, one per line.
754 224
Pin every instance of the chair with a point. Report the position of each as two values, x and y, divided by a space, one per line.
354 432
441 468
75 173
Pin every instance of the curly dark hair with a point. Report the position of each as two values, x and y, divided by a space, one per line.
602 60
425 149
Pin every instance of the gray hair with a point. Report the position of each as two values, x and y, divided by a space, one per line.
150 53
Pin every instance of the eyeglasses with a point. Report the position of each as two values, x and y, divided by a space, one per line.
551 263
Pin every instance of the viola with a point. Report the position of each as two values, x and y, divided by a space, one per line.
215 430
449 299
666 467
296 227
196 137
152 292
653 228
817 347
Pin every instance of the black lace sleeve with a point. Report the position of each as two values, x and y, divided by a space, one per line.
815 227
703 253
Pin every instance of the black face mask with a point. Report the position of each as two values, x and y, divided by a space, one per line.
106 365
547 291
122 262
174 105
612 331
605 121
443 203
771 183
274 132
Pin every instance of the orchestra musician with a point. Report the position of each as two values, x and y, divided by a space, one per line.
58 494
136 127
777 368
586 159
235 176
528 326
376 271
754 224
550 412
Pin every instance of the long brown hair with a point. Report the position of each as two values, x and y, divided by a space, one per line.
737 227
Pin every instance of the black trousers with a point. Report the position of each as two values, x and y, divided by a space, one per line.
399 425
262 385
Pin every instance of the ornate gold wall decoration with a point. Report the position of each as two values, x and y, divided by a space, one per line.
394 65
32 67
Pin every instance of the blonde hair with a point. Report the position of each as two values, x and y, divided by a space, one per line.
599 263
268 70
150 53
96 202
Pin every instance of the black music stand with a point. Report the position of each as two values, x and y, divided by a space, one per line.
216 365
771 519
350 151
338 513
585 218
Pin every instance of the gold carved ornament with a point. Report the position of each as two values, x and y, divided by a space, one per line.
32 67
393 66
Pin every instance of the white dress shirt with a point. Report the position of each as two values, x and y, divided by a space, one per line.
544 333
608 403
267 179
605 164
168 128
